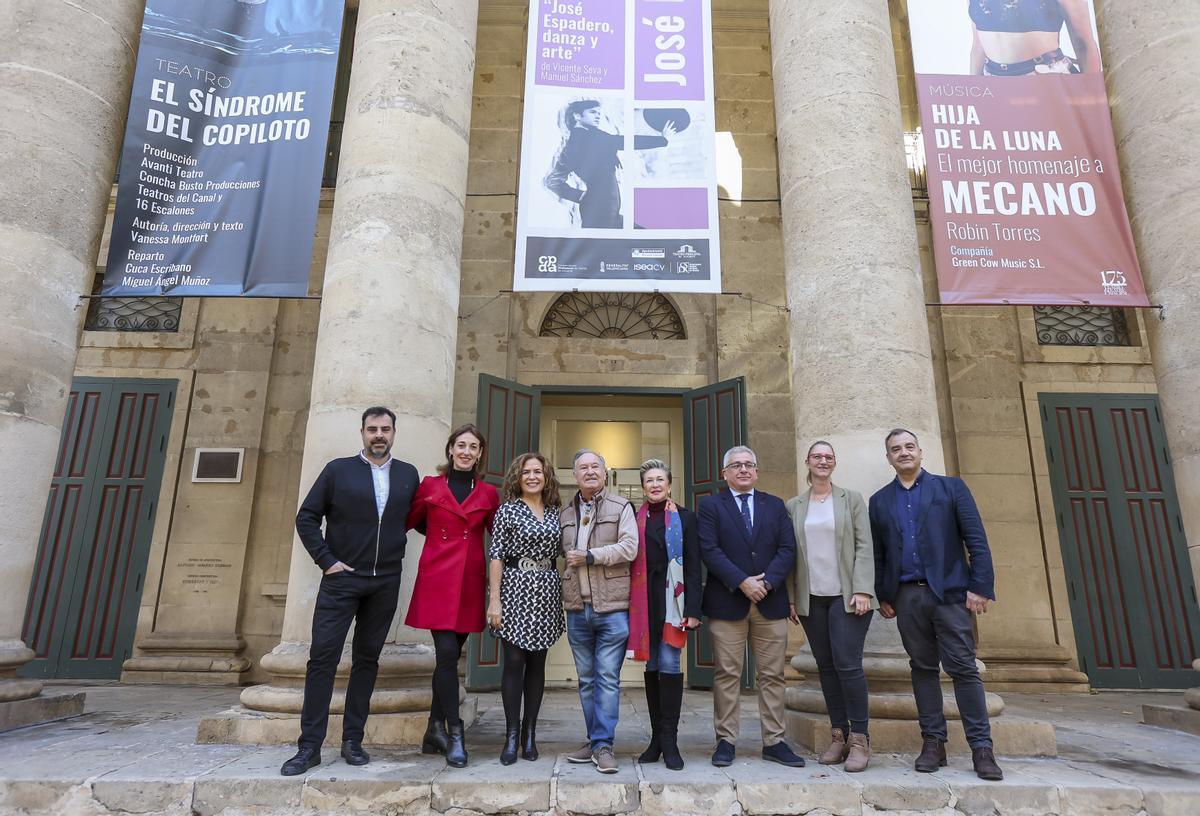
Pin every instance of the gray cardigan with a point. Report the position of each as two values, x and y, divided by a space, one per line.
856 554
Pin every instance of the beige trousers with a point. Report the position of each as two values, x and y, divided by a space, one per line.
768 641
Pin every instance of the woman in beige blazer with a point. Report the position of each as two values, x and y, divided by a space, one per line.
832 589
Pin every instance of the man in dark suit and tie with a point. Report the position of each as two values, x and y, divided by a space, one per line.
749 547
933 571
364 501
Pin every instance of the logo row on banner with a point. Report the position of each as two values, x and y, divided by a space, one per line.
224 149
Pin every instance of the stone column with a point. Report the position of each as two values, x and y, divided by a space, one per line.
64 91
388 326
1154 94
860 354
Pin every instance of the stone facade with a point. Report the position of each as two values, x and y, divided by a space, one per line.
806 348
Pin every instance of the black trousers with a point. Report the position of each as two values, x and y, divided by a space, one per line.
447 648
370 602
933 632
836 638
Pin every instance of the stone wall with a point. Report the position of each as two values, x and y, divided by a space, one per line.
727 336
244 368
245 371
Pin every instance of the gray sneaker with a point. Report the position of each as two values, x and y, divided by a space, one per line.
582 755
605 761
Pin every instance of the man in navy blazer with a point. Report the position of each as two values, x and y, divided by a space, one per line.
747 543
933 571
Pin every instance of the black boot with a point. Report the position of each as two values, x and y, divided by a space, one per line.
456 749
529 739
654 714
670 688
435 739
512 733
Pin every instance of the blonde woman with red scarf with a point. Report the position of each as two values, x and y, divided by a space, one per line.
664 603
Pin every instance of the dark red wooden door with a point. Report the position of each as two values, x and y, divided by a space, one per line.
91 561
1132 593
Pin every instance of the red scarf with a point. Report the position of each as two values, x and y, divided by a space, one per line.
638 646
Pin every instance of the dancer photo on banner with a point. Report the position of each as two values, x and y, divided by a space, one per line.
618 184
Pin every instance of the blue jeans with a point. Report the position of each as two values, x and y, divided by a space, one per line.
666 660
598 643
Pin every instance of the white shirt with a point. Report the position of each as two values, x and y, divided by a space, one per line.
381 475
824 577
750 503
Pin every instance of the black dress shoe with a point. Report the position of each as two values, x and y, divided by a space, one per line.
305 758
933 756
436 738
782 753
723 756
985 764
353 753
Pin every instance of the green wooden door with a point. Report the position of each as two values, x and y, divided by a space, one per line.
714 420
508 413
95 540
1130 583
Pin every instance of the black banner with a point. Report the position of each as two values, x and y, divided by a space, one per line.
224 148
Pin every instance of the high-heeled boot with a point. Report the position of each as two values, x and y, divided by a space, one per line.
654 714
670 687
512 732
456 748
529 749
435 739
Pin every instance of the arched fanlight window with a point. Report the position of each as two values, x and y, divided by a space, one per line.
624 316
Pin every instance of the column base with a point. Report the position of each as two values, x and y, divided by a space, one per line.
894 726
245 726
1035 669
1011 736
183 659
41 709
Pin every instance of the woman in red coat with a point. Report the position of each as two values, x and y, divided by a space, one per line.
452 509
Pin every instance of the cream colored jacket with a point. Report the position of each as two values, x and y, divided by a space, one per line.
852 534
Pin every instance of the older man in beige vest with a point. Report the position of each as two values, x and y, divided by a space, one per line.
600 541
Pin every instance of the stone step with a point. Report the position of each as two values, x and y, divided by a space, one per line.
232 781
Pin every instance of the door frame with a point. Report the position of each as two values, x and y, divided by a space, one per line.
483 659
159 495
1067 583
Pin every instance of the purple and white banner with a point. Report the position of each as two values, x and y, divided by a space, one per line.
618 162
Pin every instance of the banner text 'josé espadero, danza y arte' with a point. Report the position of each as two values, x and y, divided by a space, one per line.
1025 193
220 174
618 173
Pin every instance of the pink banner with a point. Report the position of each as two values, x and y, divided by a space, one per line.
1025 194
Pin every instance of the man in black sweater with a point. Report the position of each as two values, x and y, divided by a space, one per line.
364 501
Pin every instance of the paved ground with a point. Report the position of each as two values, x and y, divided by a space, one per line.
133 752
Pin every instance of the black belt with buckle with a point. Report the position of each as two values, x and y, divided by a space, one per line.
916 583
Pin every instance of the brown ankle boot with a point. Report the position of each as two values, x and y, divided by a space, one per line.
860 753
837 750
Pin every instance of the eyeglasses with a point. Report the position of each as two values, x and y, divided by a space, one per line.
821 457
742 466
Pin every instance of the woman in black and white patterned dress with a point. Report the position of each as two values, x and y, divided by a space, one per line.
525 594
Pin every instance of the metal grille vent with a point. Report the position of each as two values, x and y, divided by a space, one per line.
1081 326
